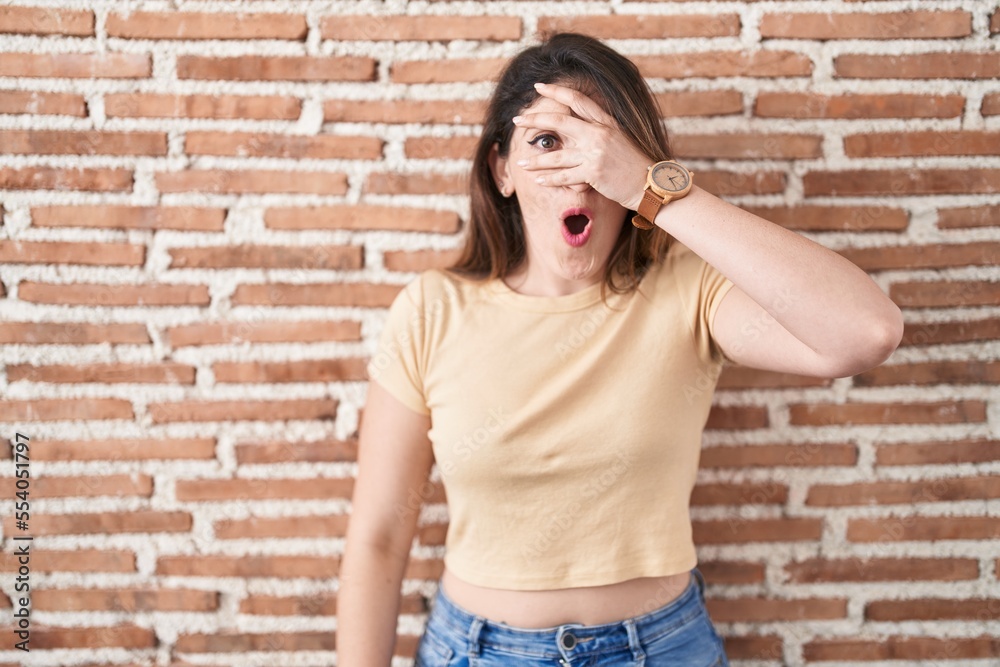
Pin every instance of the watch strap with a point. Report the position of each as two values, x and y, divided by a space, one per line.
648 208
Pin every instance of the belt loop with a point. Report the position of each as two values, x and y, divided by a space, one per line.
700 578
633 642
474 630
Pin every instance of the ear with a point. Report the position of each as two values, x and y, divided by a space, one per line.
500 168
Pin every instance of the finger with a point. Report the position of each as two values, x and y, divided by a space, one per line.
582 105
560 159
561 122
573 176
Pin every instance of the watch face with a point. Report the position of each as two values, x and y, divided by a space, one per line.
670 176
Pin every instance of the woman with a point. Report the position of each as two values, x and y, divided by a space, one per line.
561 373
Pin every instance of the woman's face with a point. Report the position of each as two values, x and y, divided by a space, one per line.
570 230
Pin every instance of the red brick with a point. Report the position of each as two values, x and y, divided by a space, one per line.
366 295
282 527
85 487
288 452
905 144
76 560
252 181
835 218
276 68
329 257
221 333
46 21
763 610
372 27
77 65
419 260
114 636
187 218
981 487
942 65
37 102
424 112
991 104
106 523
306 370
426 148
206 25
755 647
164 105
225 411
114 295
82 142
931 256
63 409
384 183
723 183
933 609
211 565
931 373
921 649
73 333
122 449
748 146
363 216
896 182
128 600
745 493
68 252
635 26
714 64
922 528
825 570
446 70
995 22
883 25
942 412
731 572
316 604
196 490
230 642
798 455
857 106
110 373
736 417
700 102
930 453
739 377
922 294
968 216
56 178
740 530
250 144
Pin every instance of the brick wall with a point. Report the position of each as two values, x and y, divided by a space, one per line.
207 210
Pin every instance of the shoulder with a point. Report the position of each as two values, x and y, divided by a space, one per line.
437 289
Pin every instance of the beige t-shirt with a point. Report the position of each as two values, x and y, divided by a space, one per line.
567 433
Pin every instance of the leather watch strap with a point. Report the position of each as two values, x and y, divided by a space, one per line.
648 208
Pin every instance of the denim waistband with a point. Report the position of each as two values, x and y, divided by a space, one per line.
570 640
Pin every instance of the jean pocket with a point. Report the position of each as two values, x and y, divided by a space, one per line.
432 651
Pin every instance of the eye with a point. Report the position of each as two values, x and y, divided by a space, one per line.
545 141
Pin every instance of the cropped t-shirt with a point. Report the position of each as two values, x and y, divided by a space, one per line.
567 433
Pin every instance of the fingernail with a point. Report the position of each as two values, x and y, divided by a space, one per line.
516 119
539 85
521 163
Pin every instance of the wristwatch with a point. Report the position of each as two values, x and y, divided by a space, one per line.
665 181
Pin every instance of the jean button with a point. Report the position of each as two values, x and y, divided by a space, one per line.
568 641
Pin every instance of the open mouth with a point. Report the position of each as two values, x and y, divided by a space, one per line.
576 225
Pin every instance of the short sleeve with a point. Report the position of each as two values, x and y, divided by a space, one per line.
703 287
397 363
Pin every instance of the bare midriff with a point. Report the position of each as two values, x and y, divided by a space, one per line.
589 605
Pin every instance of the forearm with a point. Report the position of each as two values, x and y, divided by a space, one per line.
820 297
367 605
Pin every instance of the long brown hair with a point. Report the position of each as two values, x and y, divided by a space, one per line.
495 242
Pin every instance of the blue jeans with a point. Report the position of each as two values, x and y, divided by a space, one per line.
678 633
